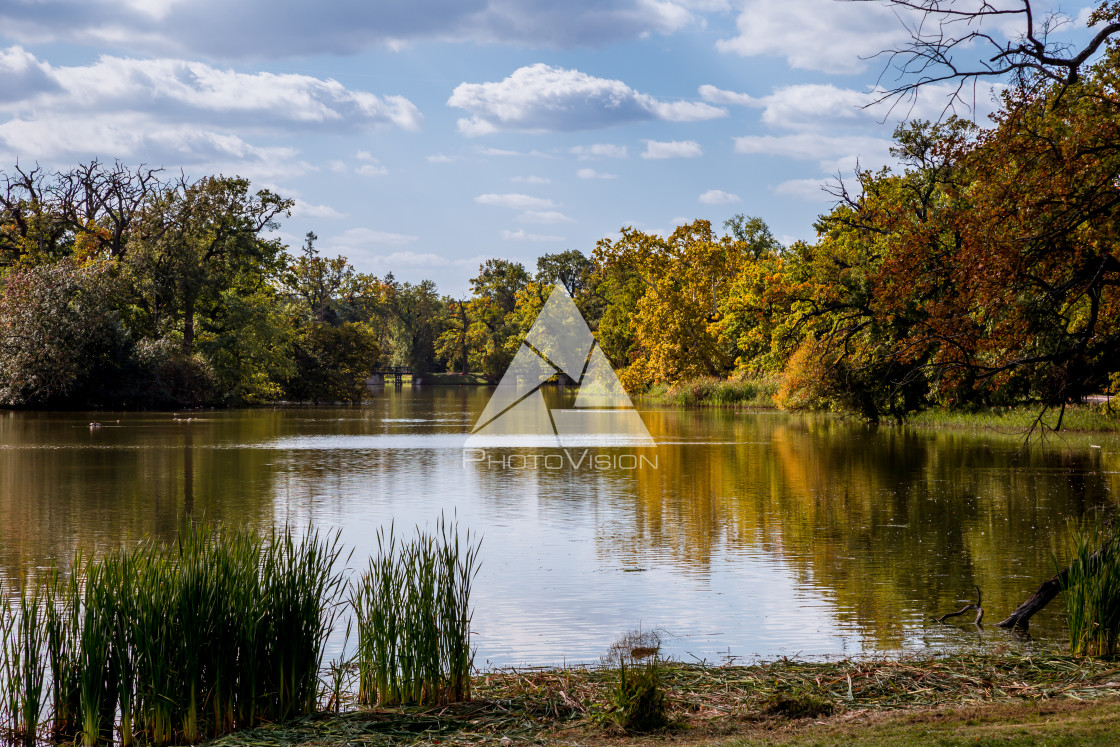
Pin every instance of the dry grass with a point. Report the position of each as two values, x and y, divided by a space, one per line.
709 703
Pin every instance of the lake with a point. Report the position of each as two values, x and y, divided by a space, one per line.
738 535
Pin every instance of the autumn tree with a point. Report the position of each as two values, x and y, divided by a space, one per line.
452 346
494 333
666 295
415 318
61 340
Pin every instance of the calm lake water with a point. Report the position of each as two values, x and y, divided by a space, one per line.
756 534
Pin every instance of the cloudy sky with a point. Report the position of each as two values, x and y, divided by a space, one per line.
420 136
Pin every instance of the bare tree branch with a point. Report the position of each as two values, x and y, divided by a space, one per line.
950 44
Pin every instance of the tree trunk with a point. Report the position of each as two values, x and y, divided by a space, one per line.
1049 589
188 326
463 336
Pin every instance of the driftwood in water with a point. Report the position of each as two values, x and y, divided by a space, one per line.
1049 589
966 608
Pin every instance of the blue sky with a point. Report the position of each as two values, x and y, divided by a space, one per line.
422 136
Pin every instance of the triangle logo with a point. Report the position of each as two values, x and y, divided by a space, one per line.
559 342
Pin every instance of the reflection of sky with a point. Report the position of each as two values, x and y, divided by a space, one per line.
545 592
757 536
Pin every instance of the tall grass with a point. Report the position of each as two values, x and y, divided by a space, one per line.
412 609
1092 588
221 630
709 391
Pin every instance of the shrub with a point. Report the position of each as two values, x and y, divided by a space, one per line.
170 377
61 342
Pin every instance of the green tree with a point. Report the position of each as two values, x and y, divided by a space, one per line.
416 319
493 332
195 242
333 362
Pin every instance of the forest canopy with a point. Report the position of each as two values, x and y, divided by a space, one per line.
981 269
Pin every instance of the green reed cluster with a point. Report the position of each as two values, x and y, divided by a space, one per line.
1092 588
412 609
638 698
170 643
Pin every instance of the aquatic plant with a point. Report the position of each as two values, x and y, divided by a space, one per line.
222 629
1092 587
21 665
412 612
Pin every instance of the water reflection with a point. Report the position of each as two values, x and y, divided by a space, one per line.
743 533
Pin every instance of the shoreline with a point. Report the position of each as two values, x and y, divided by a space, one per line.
890 700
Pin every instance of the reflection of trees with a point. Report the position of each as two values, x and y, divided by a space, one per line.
63 486
891 524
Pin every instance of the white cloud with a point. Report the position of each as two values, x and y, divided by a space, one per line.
598 150
593 174
544 216
255 29
714 95
522 235
515 201
540 98
812 146
200 91
306 210
531 180
23 75
506 153
357 238
672 149
823 35
176 111
371 169
718 197
132 134
811 190
815 106
823 106
441 158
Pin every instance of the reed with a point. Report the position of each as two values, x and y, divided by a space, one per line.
412 612
1092 587
22 666
169 644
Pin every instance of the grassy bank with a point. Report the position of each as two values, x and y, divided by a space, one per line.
708 391
954 699
1076 419
759 393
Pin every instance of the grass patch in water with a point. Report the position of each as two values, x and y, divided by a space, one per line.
1091 589
412 609
709 391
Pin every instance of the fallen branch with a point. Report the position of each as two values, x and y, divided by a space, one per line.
1049 589
966 608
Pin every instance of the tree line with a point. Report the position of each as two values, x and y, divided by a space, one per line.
982 269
